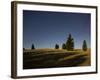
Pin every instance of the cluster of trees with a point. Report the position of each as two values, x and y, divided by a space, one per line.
69 45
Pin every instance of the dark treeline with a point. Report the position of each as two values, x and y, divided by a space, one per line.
68 45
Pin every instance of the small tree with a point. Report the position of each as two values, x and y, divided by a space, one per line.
56 46
84 46
32 46
63 46
70 43
23 48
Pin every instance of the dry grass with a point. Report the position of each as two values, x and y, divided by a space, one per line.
44 58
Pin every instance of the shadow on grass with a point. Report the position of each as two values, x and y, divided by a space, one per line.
33 61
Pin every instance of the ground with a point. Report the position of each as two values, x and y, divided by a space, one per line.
50 58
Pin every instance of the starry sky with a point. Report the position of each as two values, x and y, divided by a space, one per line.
44 29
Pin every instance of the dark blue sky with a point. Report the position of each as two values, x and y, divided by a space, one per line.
45 29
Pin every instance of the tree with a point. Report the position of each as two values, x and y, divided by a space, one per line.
23 48
32 46
63 46
56 46
84 46
70 43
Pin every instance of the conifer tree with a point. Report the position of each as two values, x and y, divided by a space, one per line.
63 46
70 43
56 46
84 46
32 47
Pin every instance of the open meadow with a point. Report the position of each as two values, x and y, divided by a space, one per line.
50 58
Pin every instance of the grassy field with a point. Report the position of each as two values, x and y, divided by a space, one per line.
49 58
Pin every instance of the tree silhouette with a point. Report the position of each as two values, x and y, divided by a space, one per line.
32 46
84 46
70 43
63 46
56 46
23 48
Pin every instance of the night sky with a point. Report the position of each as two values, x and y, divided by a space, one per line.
45 29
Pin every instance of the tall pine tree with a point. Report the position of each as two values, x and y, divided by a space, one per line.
70 43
